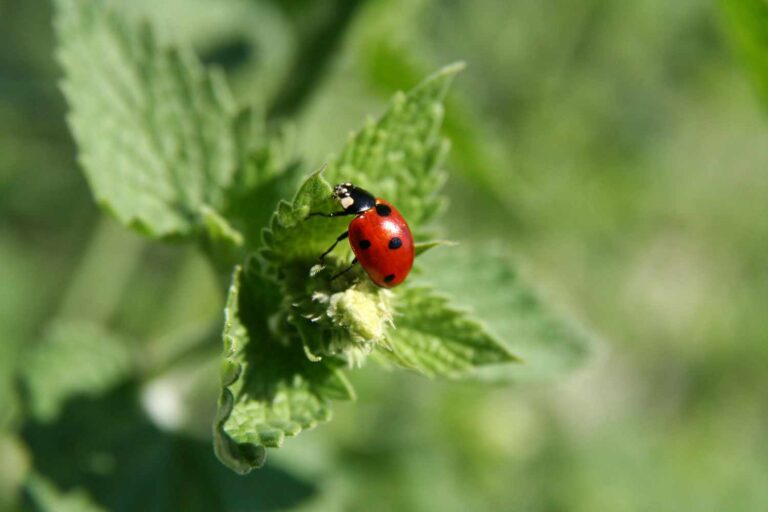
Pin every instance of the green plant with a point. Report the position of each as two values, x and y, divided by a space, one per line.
747 23
167 153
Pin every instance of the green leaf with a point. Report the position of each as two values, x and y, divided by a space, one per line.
435 338
295 240
14 469
271 173
399 155
269 388
337 318
748 25
106 453
24 297
74 358
155 131
48 498
422 247
483 280
222 242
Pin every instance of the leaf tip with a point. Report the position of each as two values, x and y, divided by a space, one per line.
423 247
452 69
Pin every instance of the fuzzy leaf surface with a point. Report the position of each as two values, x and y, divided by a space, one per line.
435 338
295 240
484 280
398 157
154 129
269 388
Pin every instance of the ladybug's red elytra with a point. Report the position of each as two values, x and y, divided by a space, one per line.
379 236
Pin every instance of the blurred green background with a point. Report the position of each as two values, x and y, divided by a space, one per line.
614 149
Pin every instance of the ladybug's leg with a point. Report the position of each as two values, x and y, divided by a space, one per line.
350 267
339 239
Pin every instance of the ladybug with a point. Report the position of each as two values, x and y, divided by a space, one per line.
379 236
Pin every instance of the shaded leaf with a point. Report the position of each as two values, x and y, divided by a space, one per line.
48 498
270 173
74 358
269 388
223 243
14 469
105 452
22 296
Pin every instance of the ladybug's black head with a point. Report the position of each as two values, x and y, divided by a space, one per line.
353 199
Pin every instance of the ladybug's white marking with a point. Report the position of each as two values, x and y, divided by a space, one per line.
346 202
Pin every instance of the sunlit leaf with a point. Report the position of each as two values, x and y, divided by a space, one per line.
399 156
435 338
484 280
155 130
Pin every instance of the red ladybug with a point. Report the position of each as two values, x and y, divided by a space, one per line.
379 235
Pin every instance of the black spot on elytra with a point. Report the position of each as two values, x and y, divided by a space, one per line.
364 244
383 210
389 278
395 243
